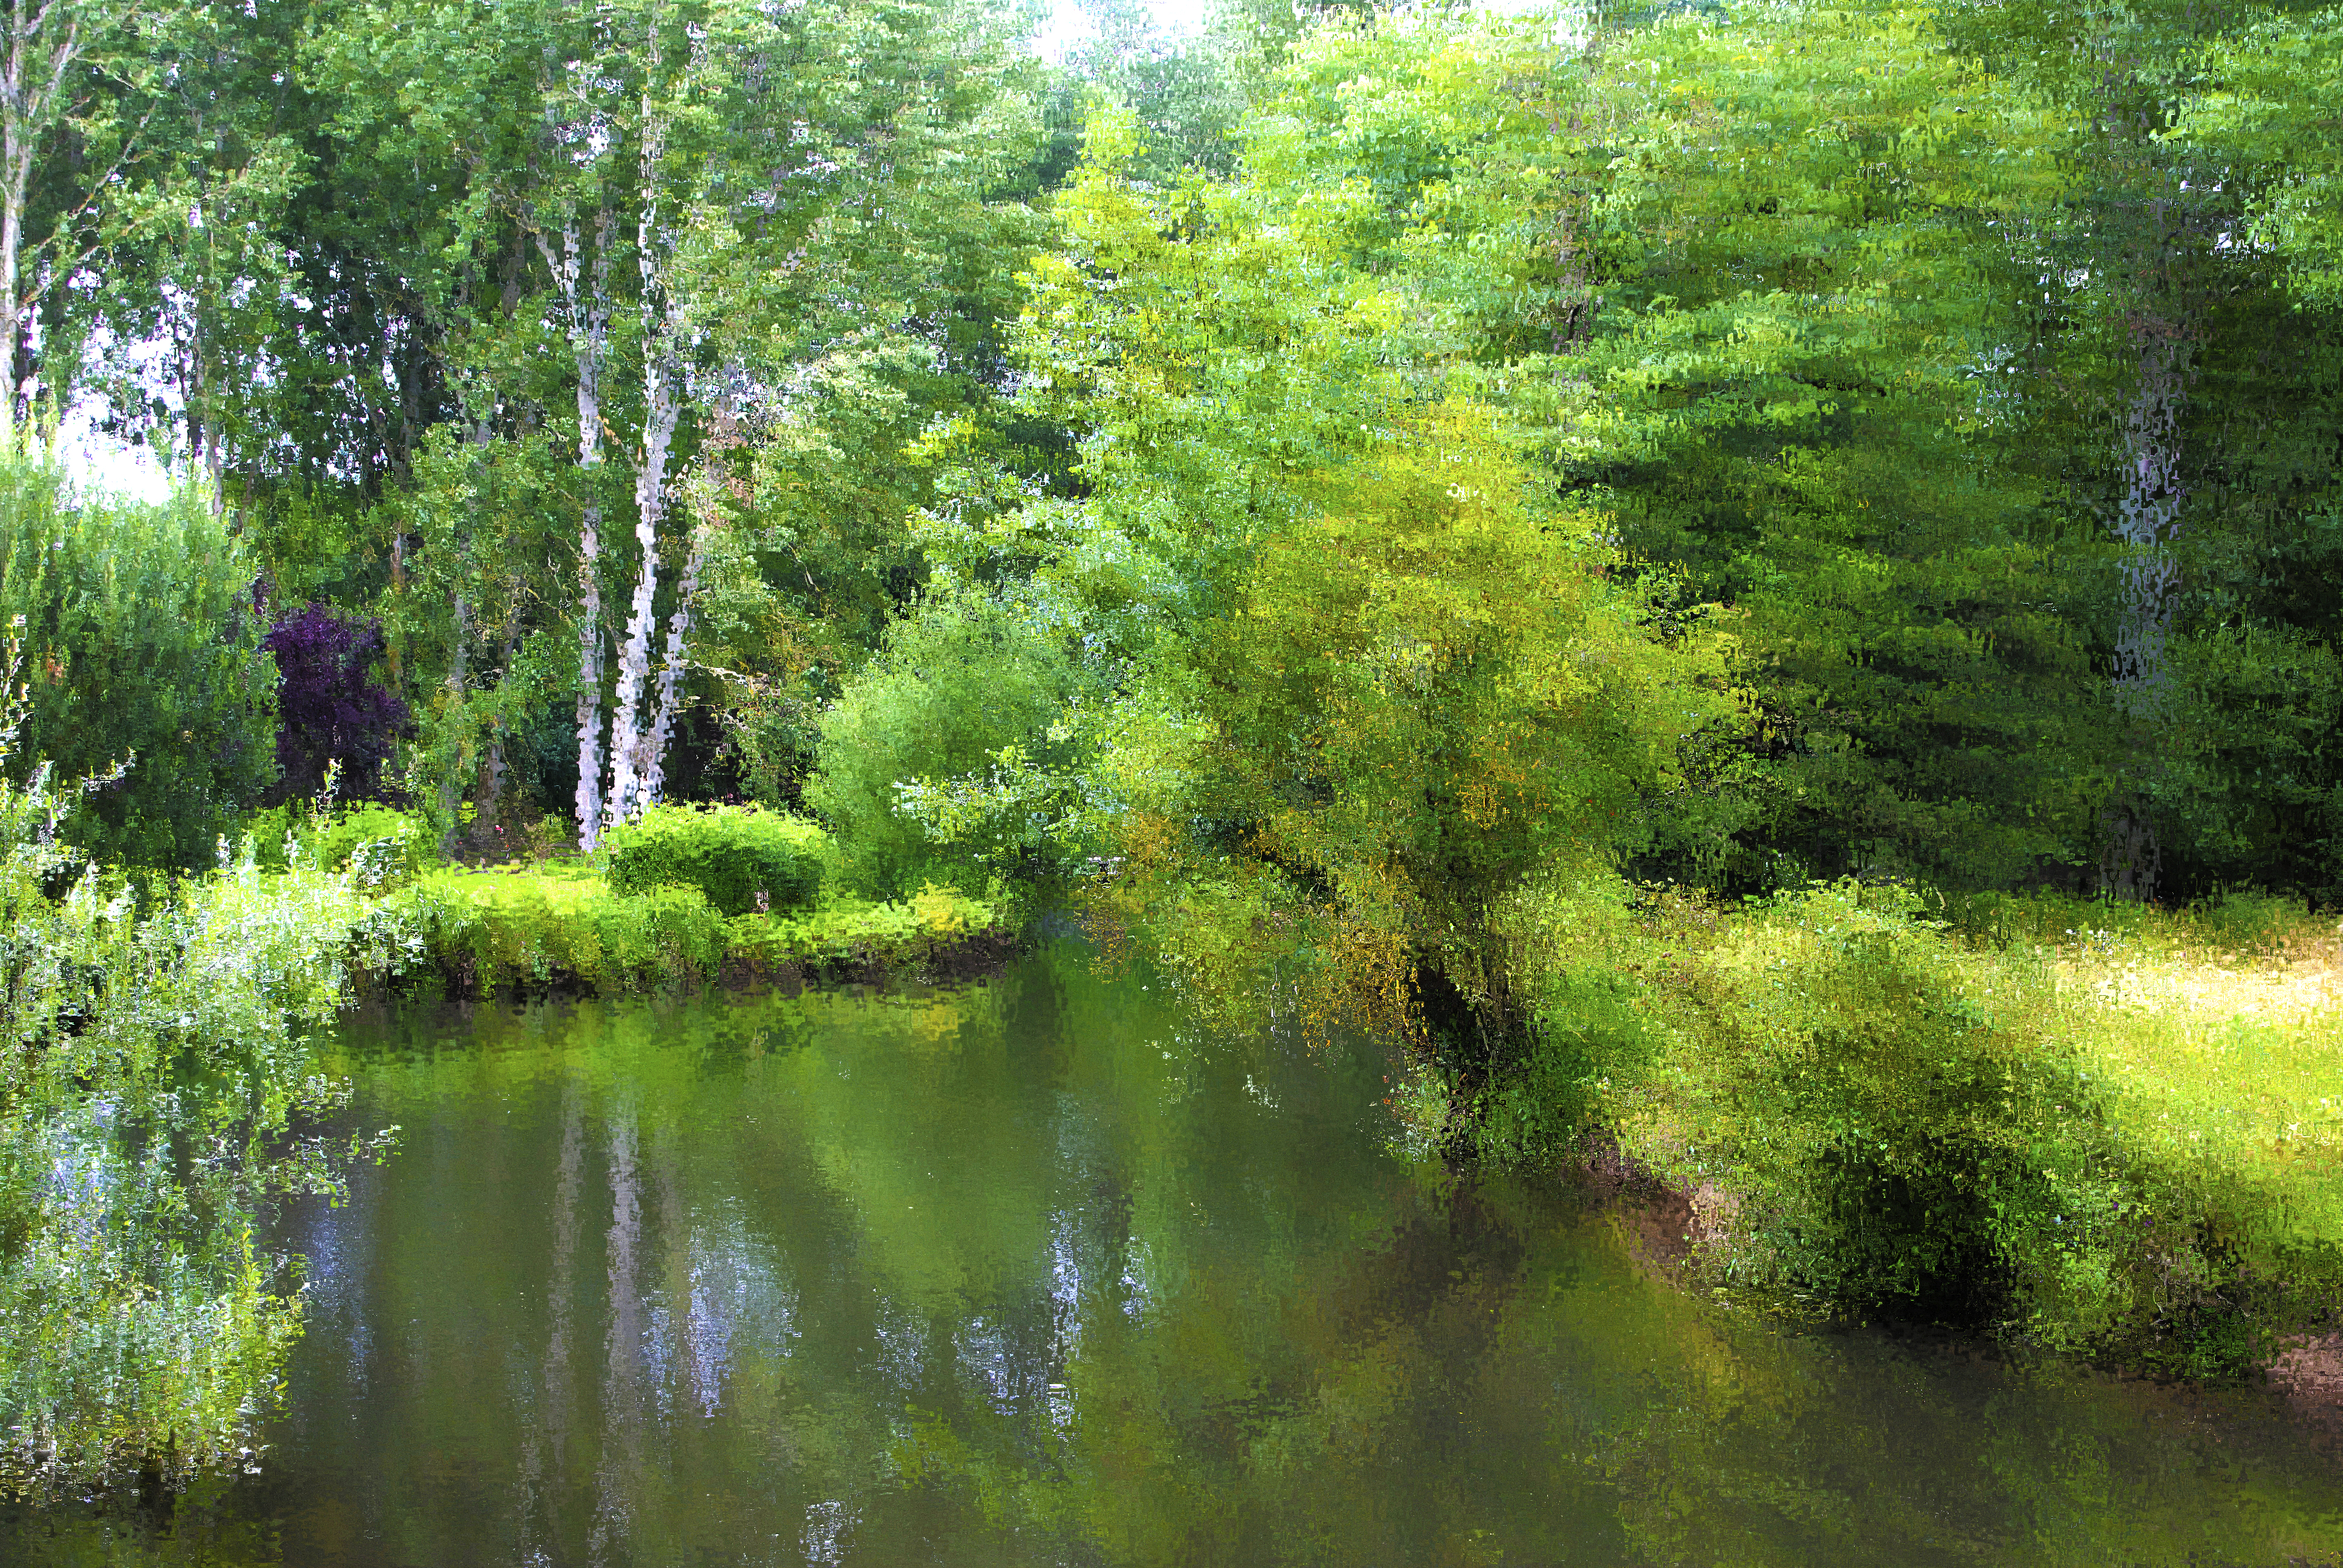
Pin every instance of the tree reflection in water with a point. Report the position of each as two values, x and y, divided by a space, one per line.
1015 1273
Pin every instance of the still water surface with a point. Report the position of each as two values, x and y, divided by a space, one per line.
1021 1273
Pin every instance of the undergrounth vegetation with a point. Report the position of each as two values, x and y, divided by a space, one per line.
163 1094
538 928
1349 502
678 897
2103 1129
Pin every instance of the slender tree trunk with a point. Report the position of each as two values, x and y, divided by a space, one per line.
12 240
489 788
671 667
636 746
586 293
43 43
2148 227
456 682
2148 520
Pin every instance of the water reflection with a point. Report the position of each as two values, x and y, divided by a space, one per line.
1011 1275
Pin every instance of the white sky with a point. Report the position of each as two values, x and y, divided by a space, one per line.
1068 23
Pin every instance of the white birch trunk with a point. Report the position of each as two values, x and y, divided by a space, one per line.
586 297
636 744
671 666
633 756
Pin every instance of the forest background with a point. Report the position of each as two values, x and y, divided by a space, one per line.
674 389
1347 496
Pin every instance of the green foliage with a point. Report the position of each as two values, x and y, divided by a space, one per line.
564 926
1871 1116
155 1096
486 931
740 858
379 846
141 648
1428 701
969 688
932 927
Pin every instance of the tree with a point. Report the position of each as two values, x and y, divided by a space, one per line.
331 713
715 209
1379 695
142 648
1433 708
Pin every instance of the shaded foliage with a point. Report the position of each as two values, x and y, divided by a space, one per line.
331 712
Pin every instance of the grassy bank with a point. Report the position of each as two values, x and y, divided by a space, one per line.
2111 1132
559 925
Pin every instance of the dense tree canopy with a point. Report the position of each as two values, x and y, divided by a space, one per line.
1337 500
839 406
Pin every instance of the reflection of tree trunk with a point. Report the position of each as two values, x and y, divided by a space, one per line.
541 1470
618 1477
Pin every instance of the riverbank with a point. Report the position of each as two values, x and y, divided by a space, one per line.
2111 1132
554 926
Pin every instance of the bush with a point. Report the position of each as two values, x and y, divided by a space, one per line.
730 853
562 927
158 1094
140 644
491 930
330 708
382 846
962 681
2070 1146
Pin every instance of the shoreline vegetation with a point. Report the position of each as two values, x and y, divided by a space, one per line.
535 930
1612 549
2091 1129
2104 1132
2097 1129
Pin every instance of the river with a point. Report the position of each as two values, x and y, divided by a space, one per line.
1026 1272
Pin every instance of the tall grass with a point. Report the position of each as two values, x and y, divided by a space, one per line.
2111 1132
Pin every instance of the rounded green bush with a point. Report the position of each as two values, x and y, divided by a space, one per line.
730 853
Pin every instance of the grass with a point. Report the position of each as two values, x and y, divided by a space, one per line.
2223 1058
2110 1131
536 926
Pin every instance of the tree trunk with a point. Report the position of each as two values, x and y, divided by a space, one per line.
43 43
636 747
586 295
633 758
2148 520
671 666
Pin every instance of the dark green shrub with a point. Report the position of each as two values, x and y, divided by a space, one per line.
141 645
730 853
